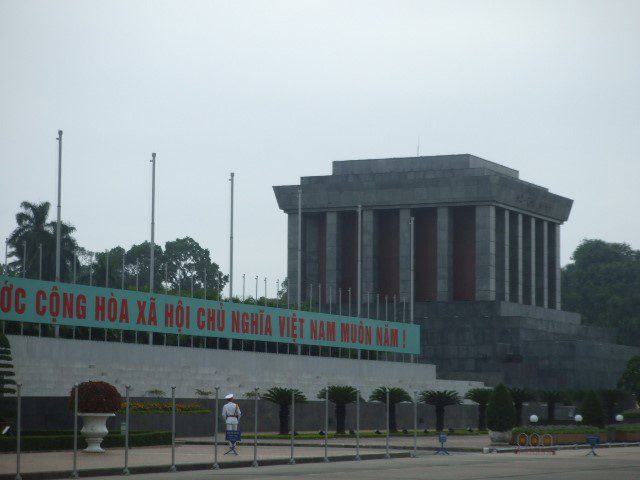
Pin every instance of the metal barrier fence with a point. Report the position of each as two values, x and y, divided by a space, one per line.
126 430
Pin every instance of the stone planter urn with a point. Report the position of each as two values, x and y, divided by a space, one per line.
94 429
500 437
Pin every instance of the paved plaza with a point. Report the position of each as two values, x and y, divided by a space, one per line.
612 464
194 456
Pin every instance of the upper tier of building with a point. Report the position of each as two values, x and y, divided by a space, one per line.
415 182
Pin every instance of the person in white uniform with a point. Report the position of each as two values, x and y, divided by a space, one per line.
231 414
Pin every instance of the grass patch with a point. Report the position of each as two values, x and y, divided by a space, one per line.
363 434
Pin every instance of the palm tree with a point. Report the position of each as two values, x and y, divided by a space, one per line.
282 397
520 396
480 396
340 396
396 395
440 399
551 397
610 398
33 230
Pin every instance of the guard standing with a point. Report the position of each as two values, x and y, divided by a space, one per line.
231 414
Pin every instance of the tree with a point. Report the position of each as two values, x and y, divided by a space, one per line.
592 410
610 398
396 395
501 413
185 258
440 399
630 379
138 260
340 396
34 230
603 285
282 397
519 397
551 398
7 383
480 396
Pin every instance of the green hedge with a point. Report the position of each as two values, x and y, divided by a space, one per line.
578 429
35 443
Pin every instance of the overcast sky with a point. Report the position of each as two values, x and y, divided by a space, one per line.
275 90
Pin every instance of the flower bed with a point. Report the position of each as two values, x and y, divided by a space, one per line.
570 435
159 407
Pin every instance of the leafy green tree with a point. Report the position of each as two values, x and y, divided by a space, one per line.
630 379
396 395
34 230
592 410
185 258
340 396
7 383
603 285
481 396
610 398
551 398
137 261
440 399
501 413
520 396
282 397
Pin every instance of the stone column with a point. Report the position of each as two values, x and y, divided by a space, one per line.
485 252
507 257
333 255
532 245
557 267
368 253
515 230
545 264
445 254
292 257
310 255
404 254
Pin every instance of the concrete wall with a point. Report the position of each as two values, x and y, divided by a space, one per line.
50 367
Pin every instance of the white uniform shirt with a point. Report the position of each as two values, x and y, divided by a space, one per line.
231 413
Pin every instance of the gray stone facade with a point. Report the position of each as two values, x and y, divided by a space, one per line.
490 264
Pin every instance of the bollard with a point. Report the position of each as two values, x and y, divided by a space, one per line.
415 425
255 428
292 460
215 432
18 428
386 455
357 424
126 433
326 424
173 468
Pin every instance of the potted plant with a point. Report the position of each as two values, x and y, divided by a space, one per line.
97 401
501 415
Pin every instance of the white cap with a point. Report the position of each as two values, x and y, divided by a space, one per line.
228 396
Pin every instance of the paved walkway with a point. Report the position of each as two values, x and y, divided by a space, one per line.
472 443
612 464
188 456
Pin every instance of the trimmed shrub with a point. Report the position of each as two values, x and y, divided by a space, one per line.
501 414
36 443
592 410
96 397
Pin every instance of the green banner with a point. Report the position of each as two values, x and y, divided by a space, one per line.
75 305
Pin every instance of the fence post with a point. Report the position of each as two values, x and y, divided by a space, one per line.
74 472
415 425
126 433
326 424
292 460
357 424
18 428
255 428
173 429
386 455
215 432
